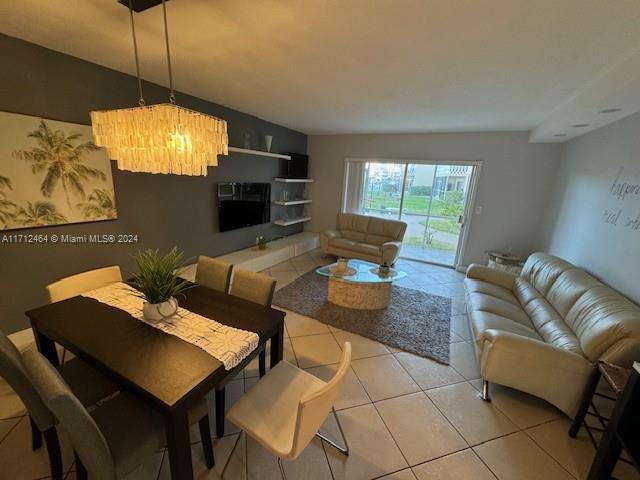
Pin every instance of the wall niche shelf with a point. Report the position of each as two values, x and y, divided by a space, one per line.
285 222
259 153
292 202
293 180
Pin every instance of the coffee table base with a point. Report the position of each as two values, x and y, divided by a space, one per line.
360 296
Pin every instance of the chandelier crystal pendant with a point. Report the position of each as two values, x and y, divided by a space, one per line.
163 138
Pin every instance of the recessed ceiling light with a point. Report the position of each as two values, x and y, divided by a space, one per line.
580 125
610 110
560 135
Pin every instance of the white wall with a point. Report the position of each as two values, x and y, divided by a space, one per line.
577 230
514 188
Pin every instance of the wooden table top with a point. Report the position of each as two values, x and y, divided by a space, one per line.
160 366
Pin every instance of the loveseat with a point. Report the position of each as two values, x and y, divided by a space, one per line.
373 239
542 331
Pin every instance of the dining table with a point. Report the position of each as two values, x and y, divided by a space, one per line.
170 374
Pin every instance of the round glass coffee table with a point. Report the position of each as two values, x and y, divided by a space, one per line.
362 286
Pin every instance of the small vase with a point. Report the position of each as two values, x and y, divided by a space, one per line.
342 265
159 311
267 142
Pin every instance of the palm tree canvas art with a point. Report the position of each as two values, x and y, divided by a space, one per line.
51 173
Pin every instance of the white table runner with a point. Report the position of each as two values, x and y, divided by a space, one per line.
228 344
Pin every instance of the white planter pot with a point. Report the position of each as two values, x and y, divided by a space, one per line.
159 311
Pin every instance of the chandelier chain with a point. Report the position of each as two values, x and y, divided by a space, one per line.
172 96
141 101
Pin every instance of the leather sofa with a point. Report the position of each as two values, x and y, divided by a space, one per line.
373 239
542 332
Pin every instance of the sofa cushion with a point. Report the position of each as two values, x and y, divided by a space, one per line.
346 244
550 325
479 286
352 226
568 287
381 230
482 321
497 306
367 249
542 270
524 291
601 318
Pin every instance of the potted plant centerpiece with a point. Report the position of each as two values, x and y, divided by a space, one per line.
157 282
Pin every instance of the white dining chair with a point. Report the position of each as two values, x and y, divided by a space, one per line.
286 408
83 282
214 274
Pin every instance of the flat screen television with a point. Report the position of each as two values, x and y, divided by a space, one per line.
242 205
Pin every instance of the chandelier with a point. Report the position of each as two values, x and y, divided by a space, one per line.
162 138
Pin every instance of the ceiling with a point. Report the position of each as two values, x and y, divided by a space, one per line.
372 66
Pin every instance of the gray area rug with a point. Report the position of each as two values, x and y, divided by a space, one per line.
415 321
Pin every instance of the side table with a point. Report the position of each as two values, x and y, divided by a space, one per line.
504 261
621 430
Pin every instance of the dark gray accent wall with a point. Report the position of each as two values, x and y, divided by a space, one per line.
163 210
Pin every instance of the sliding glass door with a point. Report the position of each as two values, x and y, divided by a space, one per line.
430 198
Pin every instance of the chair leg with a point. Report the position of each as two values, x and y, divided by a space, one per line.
587 396
220 413
226 464
36 435
344 450
262 360
207 445
284 475
484 395
53 450
81 471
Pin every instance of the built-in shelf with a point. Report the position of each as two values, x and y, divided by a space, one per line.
292 202
259 152
293 180
285 222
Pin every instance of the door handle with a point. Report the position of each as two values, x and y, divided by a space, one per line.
461 219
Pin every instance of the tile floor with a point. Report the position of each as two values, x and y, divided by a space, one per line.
405 417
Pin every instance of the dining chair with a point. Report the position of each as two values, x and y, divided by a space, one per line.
115 438
257 288
88 384
213 274
83 282
286 408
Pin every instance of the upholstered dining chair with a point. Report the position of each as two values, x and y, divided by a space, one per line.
213 274
89 386
83 282
286 409
257 288
115 438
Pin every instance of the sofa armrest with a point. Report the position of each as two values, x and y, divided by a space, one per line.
542 353
492 275
535 367
326 237
331 234
390 252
